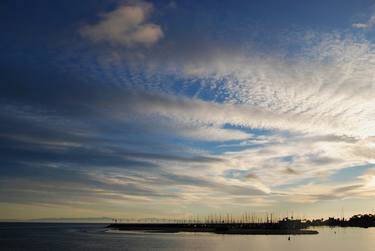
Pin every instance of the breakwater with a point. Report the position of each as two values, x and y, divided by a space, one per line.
279 228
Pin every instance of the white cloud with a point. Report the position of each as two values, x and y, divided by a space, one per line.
314 154
126 26
369 24
322 95
326 87
209 133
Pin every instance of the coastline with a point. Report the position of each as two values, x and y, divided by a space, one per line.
235 229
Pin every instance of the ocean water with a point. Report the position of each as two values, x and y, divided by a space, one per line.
48 236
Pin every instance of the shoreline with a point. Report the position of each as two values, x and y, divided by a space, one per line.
234 229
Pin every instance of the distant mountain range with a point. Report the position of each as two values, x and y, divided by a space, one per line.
66 220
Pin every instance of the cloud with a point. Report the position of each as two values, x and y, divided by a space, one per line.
304 89
107 151
324 86
209 133
317 192
291 171
368 25
295 121
127 26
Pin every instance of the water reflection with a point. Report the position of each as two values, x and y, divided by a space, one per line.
95 237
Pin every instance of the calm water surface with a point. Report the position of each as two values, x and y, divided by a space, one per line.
36 236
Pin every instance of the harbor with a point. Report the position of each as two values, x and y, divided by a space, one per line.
282 227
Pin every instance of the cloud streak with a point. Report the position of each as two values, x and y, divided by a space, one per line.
367 25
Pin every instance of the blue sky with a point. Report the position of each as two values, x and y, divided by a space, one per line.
178 108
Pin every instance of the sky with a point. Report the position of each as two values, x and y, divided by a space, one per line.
136 109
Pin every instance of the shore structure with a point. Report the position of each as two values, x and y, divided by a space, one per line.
358 220
282 227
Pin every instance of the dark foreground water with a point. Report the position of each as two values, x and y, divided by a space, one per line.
35 236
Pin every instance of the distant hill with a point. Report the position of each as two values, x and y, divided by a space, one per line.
65 220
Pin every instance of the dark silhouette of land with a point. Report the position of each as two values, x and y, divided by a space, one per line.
283 227
358 220
286 226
